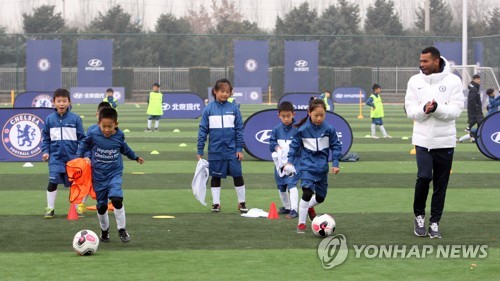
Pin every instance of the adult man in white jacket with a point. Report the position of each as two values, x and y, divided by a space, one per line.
434 100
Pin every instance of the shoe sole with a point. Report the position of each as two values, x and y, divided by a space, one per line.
416 234
104 241
432 237
300 232
125 241
49 217
215 211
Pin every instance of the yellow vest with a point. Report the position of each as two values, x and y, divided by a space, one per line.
378 112
155 106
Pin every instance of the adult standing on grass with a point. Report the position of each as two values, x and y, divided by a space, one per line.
474 105
155 108
434 100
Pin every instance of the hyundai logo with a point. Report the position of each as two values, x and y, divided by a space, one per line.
263 136
78 95
496 137
301 63
95 62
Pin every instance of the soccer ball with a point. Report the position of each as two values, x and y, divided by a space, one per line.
323 225
85 242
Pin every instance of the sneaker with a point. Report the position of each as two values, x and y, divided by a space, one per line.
148 130
242 207
292 214
283 211
374 137
105 236
434 230
123 235
49 213
82 208
419 226
312 213
301 228
216 208
467 129
387 137
156 130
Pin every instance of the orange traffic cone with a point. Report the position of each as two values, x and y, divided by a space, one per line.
273 214
72 215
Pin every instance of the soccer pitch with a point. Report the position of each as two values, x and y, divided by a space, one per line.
371 201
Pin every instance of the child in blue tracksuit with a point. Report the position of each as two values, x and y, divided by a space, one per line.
222 121
493 102
281 137
62 134
312 144
106 146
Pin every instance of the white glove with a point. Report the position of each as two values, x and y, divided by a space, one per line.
289 170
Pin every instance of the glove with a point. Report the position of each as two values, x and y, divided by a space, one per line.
289 170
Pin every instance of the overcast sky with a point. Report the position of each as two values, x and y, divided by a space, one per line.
264 12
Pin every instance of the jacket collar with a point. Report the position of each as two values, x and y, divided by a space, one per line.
444 70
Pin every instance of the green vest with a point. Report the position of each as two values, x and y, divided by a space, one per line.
378 112
230 99
114 100
325 99
155 106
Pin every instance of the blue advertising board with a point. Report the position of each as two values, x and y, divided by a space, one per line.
301 66
22 133
43 65
258 127
488 136
348 95
95 63
34 99
94 95
301 101
182 105
243 95
251 64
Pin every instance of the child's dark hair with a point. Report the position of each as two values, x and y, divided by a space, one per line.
219 83
313 104
108 113
103 104
490 91
61 93
285 106
376 86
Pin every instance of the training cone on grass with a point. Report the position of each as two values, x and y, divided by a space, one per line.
72 214
273 213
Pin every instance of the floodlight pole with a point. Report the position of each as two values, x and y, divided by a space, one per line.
464 32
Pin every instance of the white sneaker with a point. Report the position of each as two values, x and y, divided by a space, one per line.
374 137
387 137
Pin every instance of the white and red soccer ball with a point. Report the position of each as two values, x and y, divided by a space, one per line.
323 225
85 242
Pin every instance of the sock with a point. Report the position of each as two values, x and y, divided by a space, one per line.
313 202
240 192
84 200
373 129
294 198
149 124
284 199
103 220
157 123
382 129
464 138
215 194
51 199
120 218
303 206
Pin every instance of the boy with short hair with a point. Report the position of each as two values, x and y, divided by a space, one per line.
155 108
62 134
106 145
493 102
281 137
109 98
377 111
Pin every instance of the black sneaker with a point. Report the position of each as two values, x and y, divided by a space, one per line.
242 207
283 211
104 236
312 213
419 226
216 208
434 230
124 235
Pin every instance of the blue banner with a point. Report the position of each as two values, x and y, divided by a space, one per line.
33 99
452 51
43 65
478 53
94 95
95 63
251 64
22 133
242 95
349 95
488 136
301 66
300 101
258 127
182 105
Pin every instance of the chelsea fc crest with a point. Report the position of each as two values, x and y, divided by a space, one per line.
42 100
22 135
251 65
